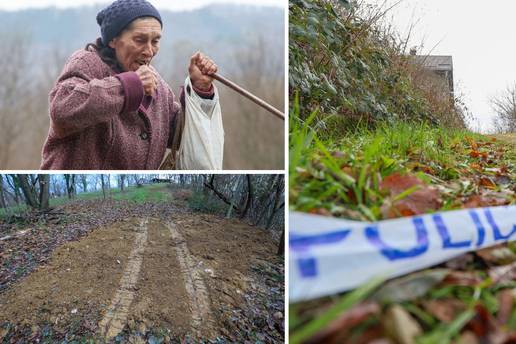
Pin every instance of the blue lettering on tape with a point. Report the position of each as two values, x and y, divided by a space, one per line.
496 230
298 241
373 235
480 227
445 234
308 265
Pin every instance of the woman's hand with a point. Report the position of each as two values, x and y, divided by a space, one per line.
149 79
201 70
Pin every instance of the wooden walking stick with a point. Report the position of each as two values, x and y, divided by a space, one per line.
249 95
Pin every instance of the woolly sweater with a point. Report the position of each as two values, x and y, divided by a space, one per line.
100 120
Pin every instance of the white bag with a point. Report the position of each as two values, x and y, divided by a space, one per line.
202 143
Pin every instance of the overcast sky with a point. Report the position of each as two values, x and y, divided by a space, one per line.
480 36
164 4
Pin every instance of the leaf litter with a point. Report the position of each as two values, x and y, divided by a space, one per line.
472 301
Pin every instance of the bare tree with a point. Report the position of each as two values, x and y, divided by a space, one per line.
44 183
28 191
70 185
249 196
121 181
505 108
14 92
103 182
84 182
2 195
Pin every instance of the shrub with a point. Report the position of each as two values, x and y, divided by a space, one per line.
353 70
183 194
200 202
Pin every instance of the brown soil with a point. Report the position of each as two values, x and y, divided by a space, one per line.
225 249
189 275
161 300
75 285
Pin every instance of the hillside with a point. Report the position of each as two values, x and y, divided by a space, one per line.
371 145
214 28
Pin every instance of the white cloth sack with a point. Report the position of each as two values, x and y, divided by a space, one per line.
202 142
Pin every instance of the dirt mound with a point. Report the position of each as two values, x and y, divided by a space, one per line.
74 286
176 277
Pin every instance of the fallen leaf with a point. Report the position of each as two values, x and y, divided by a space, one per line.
346 321
468 337
497 255
505 302
422 200
503 274
482 324
320 211
400 326
410 287
478 201
462 278
487 182
445 310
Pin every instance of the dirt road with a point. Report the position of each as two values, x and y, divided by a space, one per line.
184 278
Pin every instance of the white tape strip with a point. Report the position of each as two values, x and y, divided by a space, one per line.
330 255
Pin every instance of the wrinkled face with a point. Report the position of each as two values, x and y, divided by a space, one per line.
138 44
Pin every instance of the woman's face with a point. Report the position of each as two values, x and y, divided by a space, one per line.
138 44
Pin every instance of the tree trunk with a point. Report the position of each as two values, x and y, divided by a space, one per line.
84 182
122 181
15 186
281 246
249 196
103 183
28 192
44 181
2 195
271 186
277 206
221 195
70 185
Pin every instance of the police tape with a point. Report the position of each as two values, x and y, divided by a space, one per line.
330 255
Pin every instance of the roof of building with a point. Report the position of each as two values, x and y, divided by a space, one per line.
435 62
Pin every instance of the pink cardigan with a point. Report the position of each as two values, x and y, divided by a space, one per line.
100 120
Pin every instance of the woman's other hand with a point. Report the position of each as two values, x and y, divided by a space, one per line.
201 70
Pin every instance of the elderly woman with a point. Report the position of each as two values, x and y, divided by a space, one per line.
110 109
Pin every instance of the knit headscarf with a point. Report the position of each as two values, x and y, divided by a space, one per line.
117 16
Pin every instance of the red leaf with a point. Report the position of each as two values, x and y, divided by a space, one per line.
421 201
462 278
487 182
477 201
482 323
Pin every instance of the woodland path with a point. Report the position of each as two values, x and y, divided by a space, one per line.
186 277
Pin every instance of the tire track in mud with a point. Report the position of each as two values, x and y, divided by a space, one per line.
116 316
202 319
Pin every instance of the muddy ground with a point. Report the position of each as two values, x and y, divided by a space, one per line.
159 274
